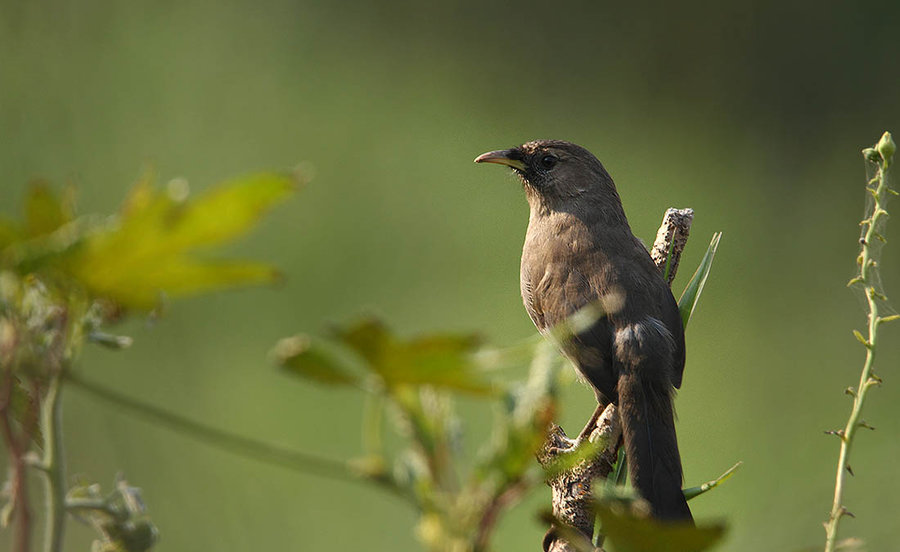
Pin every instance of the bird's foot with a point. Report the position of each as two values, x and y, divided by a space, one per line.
557 444
562 445
591 425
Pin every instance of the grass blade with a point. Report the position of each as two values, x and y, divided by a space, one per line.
692 291
694 492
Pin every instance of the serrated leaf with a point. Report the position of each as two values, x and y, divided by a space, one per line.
175 277
9 233
308 358
440 360
688 301
629 533
141 193
229 210
368 337
44 211
151 251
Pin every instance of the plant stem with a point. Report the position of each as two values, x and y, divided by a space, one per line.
97 505
54 467
867 379
512 493
18 485
236 444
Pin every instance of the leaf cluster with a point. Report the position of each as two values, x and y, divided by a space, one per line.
63 276
414 378
151 248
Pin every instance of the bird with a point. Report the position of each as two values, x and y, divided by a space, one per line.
580 252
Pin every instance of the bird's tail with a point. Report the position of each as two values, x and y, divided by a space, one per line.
648 427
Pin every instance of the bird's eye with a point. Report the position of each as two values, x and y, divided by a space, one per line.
549 161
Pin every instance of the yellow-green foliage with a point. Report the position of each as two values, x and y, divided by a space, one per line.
152 248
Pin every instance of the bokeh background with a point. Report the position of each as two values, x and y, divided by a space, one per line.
752 113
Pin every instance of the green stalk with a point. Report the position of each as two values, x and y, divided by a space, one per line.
53 465
882 155
236 444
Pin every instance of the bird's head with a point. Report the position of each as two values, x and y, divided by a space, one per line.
554 172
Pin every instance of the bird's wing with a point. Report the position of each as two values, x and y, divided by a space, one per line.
672 320
561 291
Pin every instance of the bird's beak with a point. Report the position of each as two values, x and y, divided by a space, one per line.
510 158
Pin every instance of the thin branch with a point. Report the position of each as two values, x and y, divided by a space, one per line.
572 488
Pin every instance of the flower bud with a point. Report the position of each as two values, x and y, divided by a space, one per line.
886 147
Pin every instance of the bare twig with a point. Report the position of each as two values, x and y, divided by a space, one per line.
572 489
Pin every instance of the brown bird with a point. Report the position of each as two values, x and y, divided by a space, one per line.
580 252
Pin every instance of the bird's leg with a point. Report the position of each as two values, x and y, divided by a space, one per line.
560 444
591 424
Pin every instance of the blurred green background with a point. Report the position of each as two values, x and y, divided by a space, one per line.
751 113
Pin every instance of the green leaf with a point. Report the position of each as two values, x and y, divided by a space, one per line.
688 301
694 492
9 233
629 533
150 252
44 211
441 360
308 358
229 210
620 476
368 337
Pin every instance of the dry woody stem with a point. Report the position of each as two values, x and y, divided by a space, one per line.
572 488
